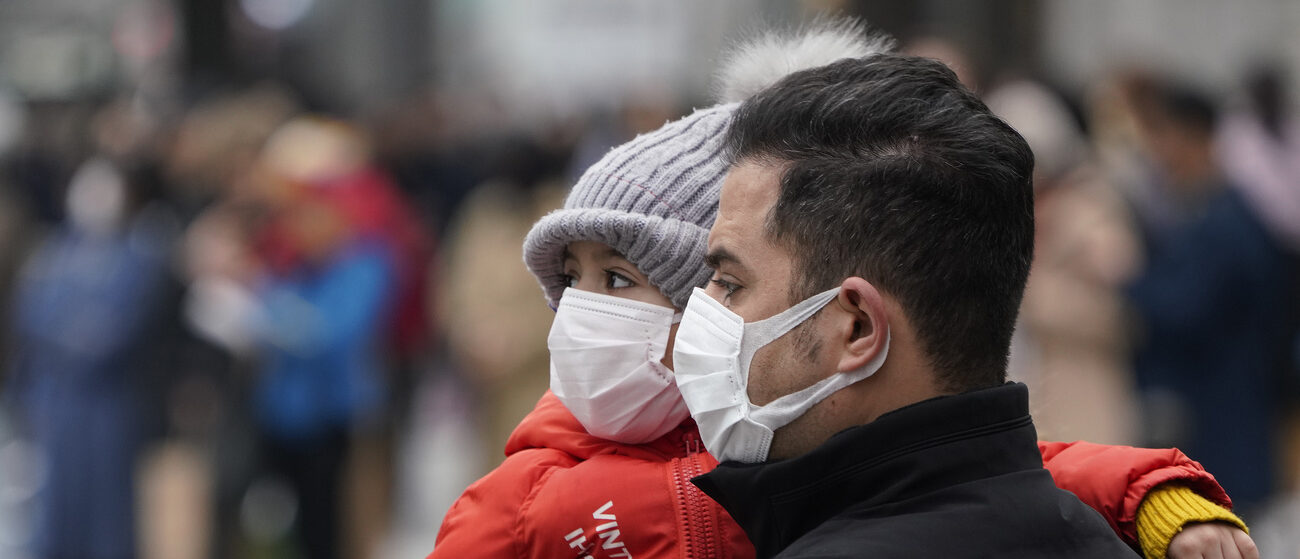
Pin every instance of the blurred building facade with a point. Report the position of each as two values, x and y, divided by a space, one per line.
564 55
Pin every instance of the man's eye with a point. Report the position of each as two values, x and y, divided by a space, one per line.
727 286
614 280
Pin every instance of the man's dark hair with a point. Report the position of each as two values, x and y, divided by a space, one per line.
896 173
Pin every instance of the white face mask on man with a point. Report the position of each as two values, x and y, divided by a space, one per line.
605 366
713 351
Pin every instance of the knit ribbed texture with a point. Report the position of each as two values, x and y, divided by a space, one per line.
652 199
1168 509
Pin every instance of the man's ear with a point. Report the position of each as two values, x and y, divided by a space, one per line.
864 332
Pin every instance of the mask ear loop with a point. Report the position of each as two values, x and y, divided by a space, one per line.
762 332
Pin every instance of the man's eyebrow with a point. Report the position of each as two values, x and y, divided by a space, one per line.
720 255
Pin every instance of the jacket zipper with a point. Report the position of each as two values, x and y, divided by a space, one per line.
697 522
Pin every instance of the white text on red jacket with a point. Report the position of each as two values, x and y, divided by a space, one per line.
606 532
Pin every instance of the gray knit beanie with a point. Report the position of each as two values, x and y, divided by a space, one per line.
654 198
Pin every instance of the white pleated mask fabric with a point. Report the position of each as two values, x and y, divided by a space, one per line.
712 355
605 366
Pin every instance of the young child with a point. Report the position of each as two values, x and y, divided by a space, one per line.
602 466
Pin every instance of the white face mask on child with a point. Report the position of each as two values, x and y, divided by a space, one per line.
605 366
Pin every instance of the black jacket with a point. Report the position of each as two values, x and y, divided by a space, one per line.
955 476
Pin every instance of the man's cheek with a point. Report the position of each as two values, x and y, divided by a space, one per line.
760 387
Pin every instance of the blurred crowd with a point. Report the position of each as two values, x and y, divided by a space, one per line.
250 329
235 327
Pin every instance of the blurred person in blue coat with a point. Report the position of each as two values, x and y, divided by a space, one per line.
321 373
308 293
81 310
1212 304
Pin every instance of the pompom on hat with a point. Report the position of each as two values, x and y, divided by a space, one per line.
654 198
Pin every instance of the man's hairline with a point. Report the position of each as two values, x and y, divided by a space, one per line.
714 257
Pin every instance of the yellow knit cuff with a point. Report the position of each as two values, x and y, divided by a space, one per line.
1167 509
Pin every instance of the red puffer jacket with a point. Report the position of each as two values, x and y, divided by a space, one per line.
564 493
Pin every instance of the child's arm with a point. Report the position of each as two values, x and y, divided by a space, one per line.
484 521
1174 521
1147 495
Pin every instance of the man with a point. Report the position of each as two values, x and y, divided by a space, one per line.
870 252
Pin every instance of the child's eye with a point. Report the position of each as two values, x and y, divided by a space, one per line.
615 280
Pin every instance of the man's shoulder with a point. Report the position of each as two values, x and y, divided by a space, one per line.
1021 514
